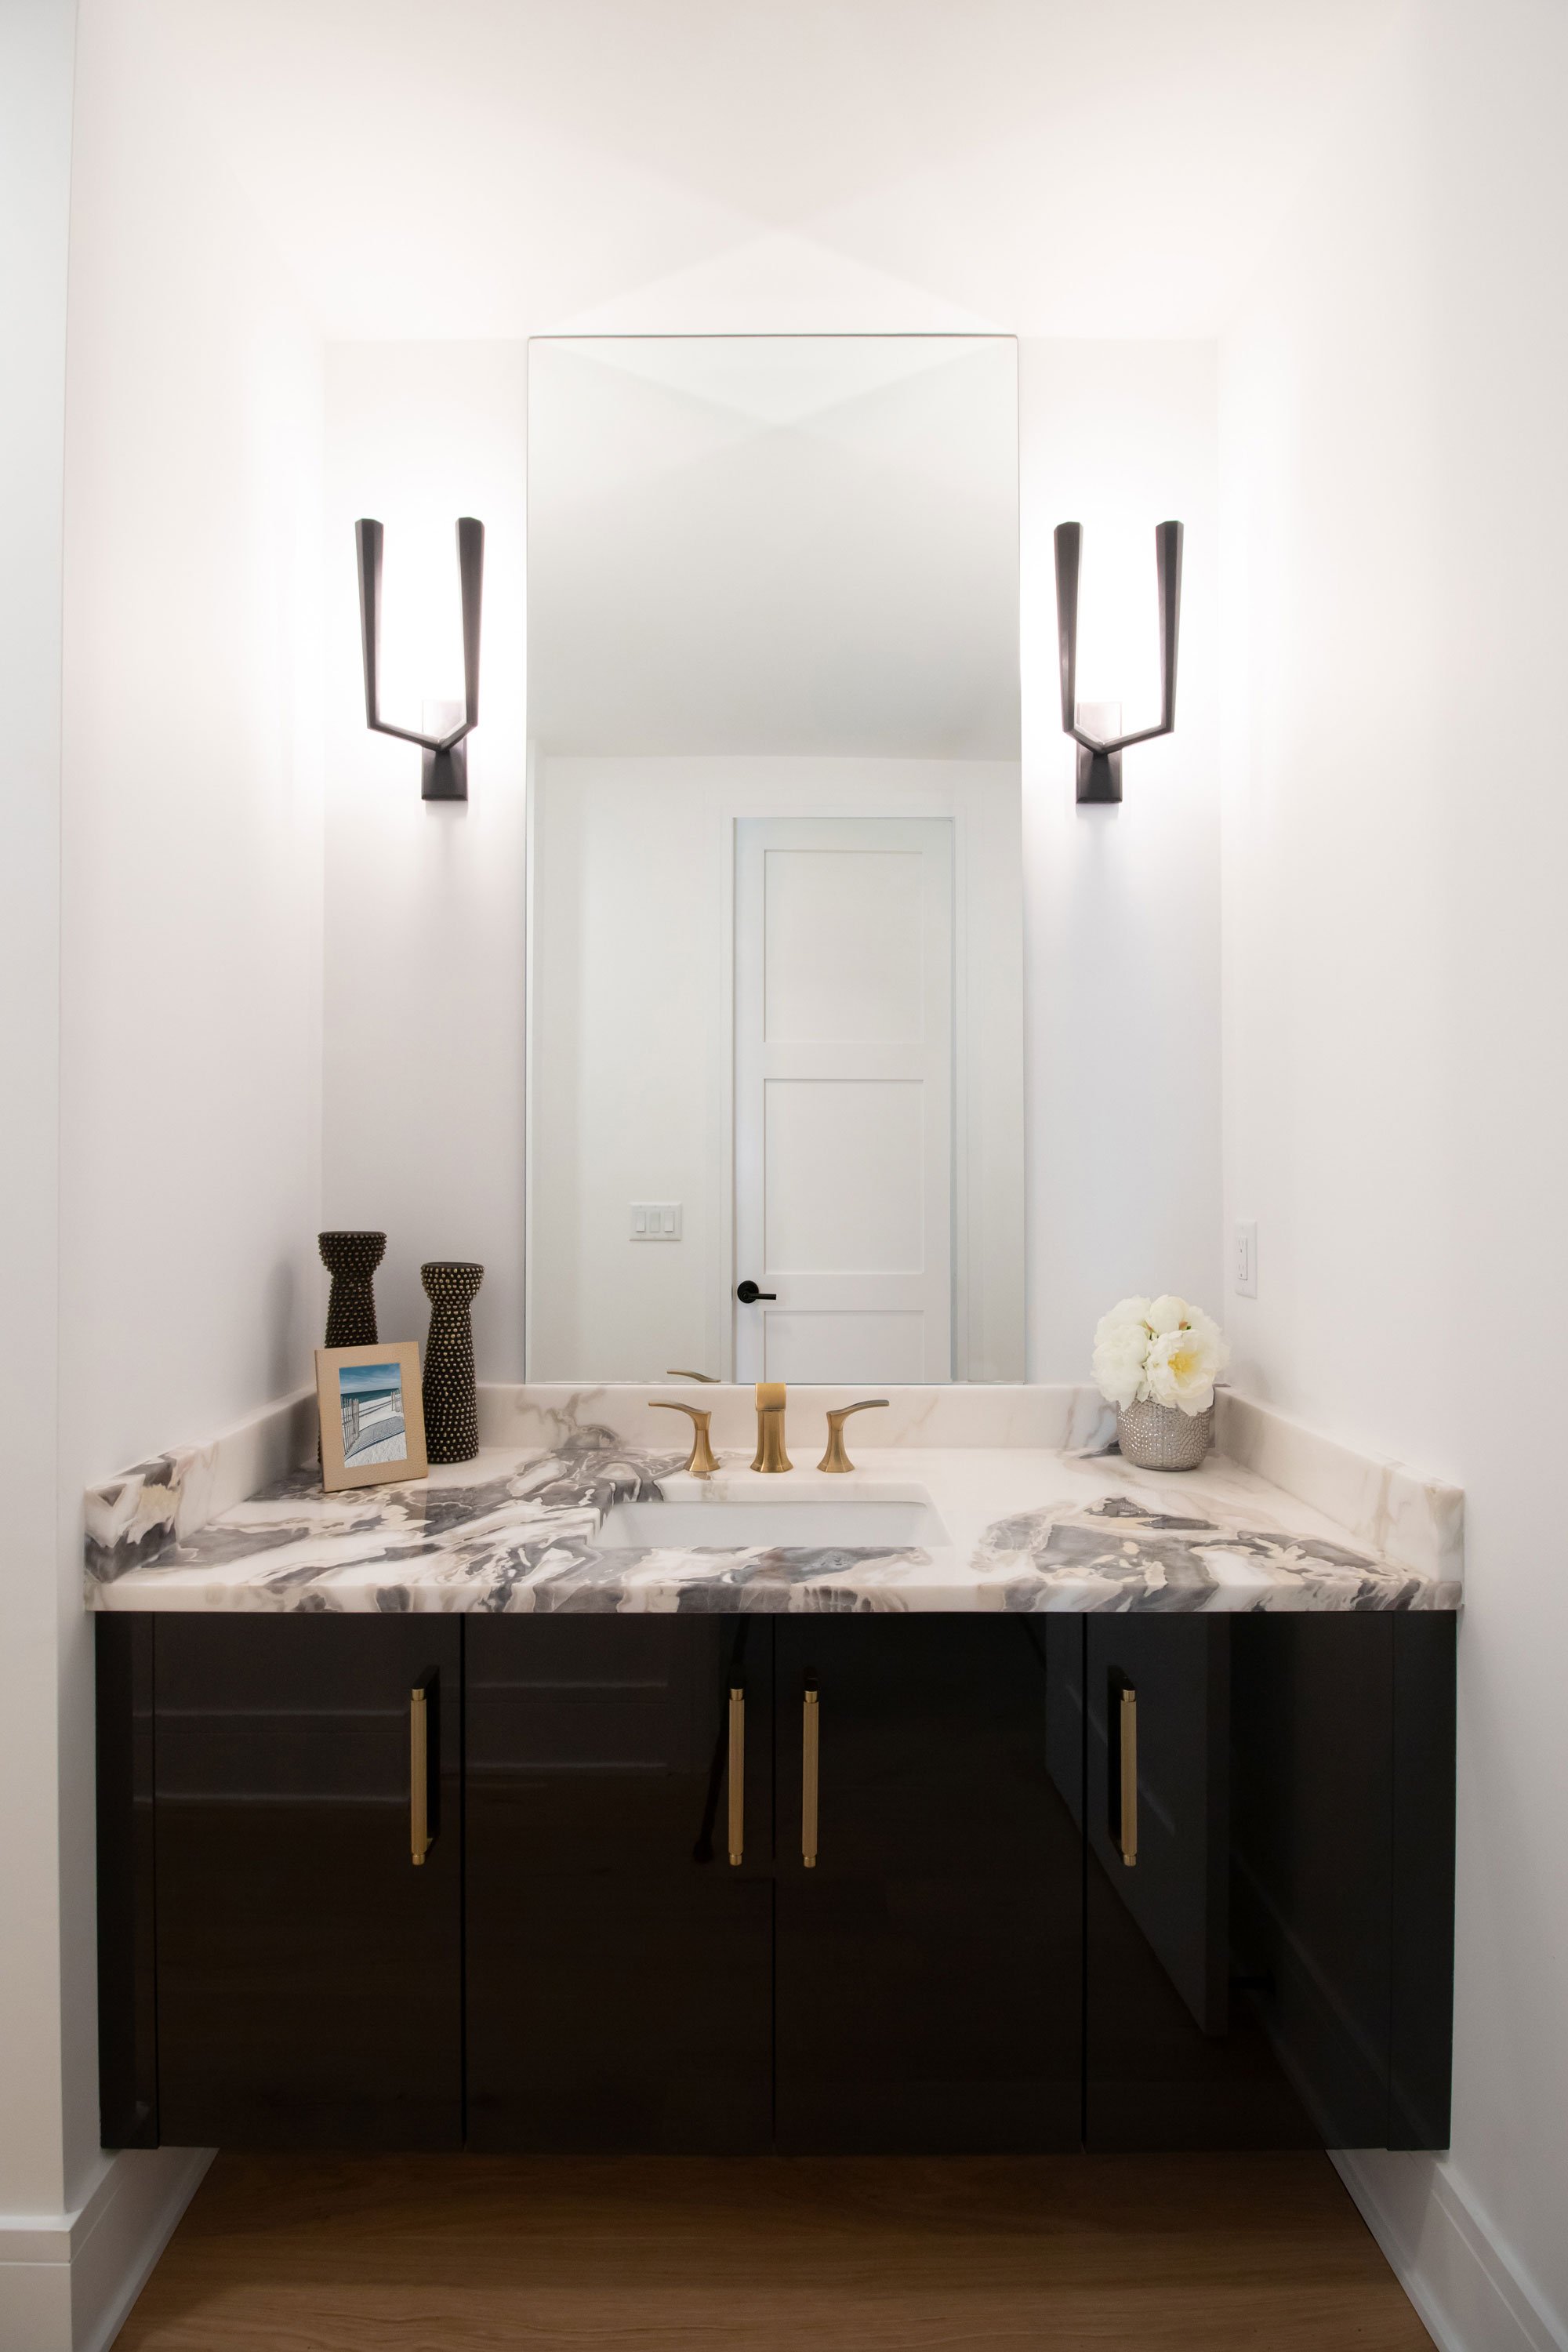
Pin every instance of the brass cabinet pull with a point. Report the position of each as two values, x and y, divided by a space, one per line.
419 1838
1129 1778
737 1776
810 1723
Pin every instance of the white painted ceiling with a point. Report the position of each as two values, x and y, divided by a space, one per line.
799 545
500 168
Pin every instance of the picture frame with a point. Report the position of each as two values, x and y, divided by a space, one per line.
372 1413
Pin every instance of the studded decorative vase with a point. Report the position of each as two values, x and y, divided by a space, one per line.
352 1259
1162 1438
451 1409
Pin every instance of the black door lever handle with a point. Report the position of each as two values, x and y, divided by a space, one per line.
748 1293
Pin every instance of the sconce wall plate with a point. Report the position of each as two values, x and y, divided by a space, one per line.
1100 761
445 767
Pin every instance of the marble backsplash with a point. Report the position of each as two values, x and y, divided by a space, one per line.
1064 1418
135 1519
1393 1510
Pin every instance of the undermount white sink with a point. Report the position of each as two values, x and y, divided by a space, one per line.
795 1520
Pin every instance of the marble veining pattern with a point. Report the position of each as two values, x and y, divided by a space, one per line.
1030 1530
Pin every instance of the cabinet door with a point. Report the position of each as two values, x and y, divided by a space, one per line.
1172 2060
1342 1863
929 1884
619 1962
1251 1979
309 1975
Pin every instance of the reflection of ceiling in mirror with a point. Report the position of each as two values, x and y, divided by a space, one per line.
782 544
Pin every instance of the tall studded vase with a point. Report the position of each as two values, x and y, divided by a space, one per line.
451 1409
352 1259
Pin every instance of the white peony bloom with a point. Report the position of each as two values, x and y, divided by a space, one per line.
1208 1328
1183 1365
1121 1379
1162 1348
1120 1346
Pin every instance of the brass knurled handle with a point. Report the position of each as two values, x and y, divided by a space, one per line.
703 1461
1128 1712
809 1765
419 1838
737 1777
836 1457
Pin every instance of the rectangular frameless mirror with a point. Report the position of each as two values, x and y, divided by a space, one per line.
775 1061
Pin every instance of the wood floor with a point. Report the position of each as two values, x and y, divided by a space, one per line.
1036 2254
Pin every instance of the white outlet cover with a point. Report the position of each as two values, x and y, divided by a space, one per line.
1244 1260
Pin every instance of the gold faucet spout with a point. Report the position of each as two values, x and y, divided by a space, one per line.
770 1453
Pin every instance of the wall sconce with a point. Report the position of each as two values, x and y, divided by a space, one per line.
445 770
1099 763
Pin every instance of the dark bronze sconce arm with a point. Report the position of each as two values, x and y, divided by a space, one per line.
1100 762
445 775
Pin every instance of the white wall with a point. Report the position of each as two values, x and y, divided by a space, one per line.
36 62
1122 904
424 901
1397 993
192 848
632 966
188 903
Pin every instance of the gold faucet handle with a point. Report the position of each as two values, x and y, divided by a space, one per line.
704 1461
677 1372
836 1458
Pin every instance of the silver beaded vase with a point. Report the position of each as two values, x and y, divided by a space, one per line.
1162 1436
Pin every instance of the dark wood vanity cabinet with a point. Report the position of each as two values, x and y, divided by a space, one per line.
619 1969
307 1971
929 1890
652 1965
1005 1881
1275 1967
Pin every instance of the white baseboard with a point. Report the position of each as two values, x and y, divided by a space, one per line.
1471 2293
67 2280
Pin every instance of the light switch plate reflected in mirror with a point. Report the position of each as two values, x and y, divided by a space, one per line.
655 1220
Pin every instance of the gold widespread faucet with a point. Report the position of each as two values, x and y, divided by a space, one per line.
836 1458
703 1461
771 1454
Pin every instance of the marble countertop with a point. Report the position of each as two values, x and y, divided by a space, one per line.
520 1529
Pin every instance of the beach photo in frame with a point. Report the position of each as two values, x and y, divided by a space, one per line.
373 1415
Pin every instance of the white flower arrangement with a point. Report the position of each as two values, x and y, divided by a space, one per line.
1162 1349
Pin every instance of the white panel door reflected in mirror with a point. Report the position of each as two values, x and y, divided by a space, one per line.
775 922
